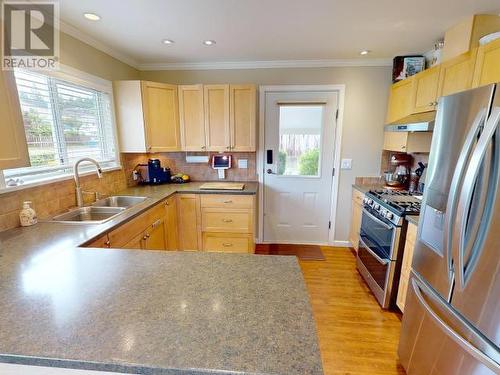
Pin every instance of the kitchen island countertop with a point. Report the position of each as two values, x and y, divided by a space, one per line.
150 312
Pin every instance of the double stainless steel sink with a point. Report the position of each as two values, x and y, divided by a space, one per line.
101 211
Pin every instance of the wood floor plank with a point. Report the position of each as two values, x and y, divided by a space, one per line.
356 336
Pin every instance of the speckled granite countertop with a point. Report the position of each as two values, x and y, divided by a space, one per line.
150 312
412 219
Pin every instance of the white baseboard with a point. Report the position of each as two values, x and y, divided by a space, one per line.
341 243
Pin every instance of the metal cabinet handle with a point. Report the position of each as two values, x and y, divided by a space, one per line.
227 202
227 244
156 223
144 238
227 220
203 147
107 243
491 363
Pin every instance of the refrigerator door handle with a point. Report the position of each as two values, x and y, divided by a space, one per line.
456 182
466 195
492 362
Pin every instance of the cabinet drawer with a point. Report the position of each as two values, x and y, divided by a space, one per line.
227 243
226 201
235 221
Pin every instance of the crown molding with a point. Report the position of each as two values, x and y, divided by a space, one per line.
85 38
325 63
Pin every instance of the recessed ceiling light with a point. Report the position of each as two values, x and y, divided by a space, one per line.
209 42
167 41
365 52
91 16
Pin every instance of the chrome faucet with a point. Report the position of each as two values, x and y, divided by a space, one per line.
79 195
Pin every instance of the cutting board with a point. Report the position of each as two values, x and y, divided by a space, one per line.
223 186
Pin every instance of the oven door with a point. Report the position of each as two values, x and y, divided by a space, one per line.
374 261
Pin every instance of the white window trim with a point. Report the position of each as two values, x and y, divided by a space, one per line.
78 77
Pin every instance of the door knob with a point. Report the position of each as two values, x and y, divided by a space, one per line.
269 171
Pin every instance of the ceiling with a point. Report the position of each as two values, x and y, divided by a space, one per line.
264 30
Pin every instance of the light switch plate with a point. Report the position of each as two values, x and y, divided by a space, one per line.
346 164
242 163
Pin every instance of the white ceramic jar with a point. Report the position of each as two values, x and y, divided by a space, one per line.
27 216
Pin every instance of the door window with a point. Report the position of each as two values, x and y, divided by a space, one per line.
300 128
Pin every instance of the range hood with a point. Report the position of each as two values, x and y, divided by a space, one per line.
421 122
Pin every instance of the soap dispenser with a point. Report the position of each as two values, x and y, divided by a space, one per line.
27 215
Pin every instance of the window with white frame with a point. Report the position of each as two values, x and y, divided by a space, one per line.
65 119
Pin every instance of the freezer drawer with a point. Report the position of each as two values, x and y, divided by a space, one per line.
436 340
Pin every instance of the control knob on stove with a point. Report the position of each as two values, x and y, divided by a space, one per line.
370 201
377 207
389 215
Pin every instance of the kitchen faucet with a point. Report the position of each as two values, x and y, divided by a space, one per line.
79 196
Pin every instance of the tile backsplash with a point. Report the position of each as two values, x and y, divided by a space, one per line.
176 161
51 199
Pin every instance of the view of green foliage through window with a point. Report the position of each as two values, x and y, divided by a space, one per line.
64 121
300 140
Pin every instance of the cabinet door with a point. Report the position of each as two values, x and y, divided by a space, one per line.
192 118
487 69
155 236
216 104
400 100
395 141
13 145
242 117
188 216
171 227
426 89
161 116
456 74
135 243
406 265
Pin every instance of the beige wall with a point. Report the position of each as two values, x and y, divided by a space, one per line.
364 111
84 57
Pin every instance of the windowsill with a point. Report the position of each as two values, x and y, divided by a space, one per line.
63 177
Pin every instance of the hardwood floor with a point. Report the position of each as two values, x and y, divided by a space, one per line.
355 335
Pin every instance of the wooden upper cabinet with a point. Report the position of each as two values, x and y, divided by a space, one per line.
216 104
456 74
148 116
161 116
242 116
192 119
13 145
400 100
487 68
409 142
425 90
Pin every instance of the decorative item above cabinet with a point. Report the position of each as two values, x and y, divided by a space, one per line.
217 117
148 116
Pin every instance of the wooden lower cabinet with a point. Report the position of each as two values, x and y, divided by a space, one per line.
188 221
357 208
171 227
411 235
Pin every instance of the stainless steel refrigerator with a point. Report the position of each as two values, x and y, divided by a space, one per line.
451 322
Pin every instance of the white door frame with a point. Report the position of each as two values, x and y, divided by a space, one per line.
340 90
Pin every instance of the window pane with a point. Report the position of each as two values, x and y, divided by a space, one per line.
300 140
64 122
38 119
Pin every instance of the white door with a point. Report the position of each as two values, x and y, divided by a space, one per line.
298 166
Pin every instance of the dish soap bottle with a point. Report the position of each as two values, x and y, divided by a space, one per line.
27 215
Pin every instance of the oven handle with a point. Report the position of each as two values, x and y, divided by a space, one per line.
379 259
385 225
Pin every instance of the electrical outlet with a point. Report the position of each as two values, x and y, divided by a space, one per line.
346 164
242 163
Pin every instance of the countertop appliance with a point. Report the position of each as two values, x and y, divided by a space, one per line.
382 237
451 322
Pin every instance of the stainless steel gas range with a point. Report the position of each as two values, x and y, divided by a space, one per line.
382 237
